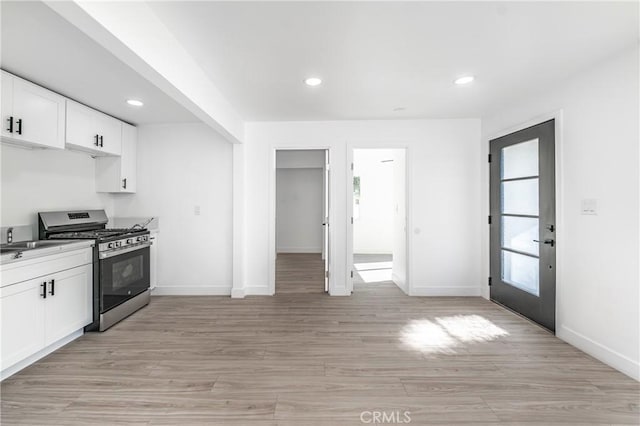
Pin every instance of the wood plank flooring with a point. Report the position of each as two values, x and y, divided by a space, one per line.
310 359
299 273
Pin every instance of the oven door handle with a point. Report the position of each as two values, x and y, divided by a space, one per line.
108 254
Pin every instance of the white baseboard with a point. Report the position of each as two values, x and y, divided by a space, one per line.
314 250
237 293
470 291
7 372
191 291
610 357
257 291
373 251
402 284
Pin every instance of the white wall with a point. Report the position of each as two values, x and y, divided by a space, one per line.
444 168
373 227
35 180
598 256
181 166
399 268
299 210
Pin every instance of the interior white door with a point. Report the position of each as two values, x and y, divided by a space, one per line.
68 306
326 248
21 321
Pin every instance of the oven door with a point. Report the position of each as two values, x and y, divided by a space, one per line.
123 276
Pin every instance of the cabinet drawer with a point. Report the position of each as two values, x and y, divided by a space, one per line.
13 273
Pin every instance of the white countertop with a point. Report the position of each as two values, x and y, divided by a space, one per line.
64 246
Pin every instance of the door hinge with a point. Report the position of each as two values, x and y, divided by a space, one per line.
351 274
352 220
489 158
489 219
489 281
326 274
351 166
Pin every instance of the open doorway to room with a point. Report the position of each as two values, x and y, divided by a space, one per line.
379 220
302 205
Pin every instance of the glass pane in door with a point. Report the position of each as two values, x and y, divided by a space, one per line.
521 271
518 234
520 160
520 197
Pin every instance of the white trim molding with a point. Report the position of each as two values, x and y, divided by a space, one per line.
607 355
191 291
285 250
466 291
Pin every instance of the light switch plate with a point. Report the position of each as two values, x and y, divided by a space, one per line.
589 206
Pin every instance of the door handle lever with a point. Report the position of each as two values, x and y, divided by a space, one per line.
550 242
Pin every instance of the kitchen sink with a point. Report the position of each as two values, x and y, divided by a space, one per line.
29 245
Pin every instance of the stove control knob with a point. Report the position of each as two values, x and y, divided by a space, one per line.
118 243
130 241
110 245
140 239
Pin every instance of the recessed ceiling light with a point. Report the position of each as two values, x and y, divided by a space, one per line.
135 102
464 80
313 81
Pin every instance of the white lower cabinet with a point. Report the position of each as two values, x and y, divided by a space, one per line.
22 316
67 307
39 312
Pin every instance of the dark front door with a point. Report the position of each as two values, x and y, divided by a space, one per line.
523 226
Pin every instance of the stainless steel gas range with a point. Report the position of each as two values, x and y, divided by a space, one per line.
121 262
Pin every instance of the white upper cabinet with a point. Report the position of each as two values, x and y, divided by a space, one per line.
118 174
31 115
92 131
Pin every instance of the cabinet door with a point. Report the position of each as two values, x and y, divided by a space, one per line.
38 115
110 131
68 306
6 103
81 127
21 321
128 159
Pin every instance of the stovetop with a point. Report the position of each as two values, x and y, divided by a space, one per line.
100 234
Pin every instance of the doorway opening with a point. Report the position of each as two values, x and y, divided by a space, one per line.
302 211
379 219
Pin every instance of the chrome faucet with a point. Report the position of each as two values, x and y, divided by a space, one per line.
9 235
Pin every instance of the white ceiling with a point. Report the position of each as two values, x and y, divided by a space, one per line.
377 56
39 45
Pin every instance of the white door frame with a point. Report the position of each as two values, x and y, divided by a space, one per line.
351 146
272 212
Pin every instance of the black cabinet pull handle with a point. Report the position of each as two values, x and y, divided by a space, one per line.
44 290
10 120
97 143
124 183
19 123
53 288
101 142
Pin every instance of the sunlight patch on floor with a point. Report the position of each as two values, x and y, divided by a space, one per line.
375 276
373 265
445 334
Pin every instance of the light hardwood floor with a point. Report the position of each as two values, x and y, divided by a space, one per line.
310 359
